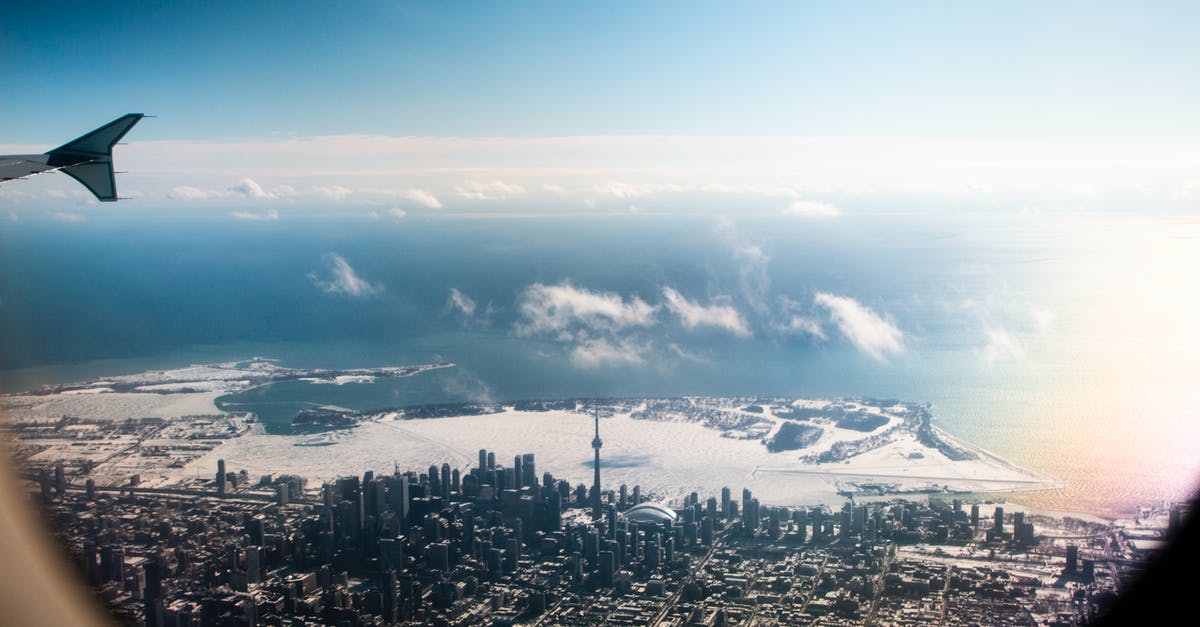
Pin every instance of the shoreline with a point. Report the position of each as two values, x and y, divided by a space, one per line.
236 376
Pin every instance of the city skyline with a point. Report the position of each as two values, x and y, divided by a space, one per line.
909 276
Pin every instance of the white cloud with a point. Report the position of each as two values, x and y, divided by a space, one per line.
752 263
269 214
249 188
1043 319
1000 345
867 330
488 190
66 216
626 191
460 302
246 188
397 212
693 315
600 326
332 192
788 322
421 197
14 195
187 192
933 173
467 310
594 353
567 312
799 325
811 209
744 189
685 355
339 278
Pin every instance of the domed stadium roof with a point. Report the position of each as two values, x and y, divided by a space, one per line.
650 513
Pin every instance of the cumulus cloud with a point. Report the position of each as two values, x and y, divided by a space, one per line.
249 188
421 197
269 214
811 209
246 188
397 212
600 327
66 216
337 277
1000 344
332 192
187 192
867 330
488 190
594 353
693 314
567 312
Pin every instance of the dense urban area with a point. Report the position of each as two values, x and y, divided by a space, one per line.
497 545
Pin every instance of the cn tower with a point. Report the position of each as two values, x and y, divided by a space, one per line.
596 444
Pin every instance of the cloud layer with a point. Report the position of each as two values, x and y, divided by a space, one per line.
269 214
798 176
811 209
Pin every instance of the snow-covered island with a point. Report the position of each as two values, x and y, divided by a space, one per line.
164 428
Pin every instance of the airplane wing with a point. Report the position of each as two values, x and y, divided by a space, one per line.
87 159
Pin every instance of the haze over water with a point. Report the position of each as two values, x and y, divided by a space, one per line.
1064 342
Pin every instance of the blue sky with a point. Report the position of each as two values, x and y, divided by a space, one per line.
216 71
429 108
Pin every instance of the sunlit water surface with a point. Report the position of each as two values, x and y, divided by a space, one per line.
1065 343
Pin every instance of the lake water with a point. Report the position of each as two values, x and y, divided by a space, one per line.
1066 343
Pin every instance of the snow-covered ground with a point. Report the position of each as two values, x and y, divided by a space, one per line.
670 447
113 406
667 458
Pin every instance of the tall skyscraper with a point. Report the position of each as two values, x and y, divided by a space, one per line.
596 444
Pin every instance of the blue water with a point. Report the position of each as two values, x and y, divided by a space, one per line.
126 294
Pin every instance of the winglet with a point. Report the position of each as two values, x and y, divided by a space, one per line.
88 159
100 141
